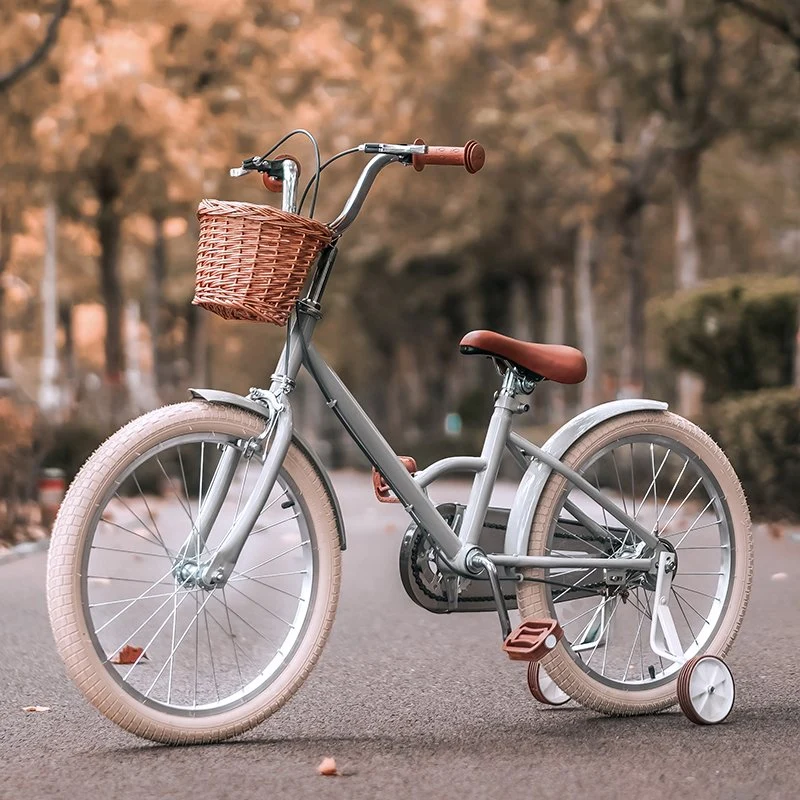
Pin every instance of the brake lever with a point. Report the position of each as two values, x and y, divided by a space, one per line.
249 165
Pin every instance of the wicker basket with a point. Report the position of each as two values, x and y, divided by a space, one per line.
252 260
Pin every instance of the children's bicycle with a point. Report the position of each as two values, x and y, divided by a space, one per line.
194 569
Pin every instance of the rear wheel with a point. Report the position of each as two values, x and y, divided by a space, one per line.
152 649
670 476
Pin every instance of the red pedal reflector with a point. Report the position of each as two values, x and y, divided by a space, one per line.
533 639
382 490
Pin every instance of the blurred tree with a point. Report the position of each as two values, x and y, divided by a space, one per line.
20 69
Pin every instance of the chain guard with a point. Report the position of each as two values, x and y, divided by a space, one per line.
442 592
430 585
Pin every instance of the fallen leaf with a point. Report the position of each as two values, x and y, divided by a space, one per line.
128 655
30 709
775 530
327 767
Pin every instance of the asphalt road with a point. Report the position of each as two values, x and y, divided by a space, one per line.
411 705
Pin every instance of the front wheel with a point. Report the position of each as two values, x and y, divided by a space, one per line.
152 649
669 475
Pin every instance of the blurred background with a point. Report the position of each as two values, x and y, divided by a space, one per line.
641 200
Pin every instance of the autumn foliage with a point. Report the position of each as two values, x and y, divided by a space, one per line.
634 148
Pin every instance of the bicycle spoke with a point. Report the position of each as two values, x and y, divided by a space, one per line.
695 591
185 485
141 522
705 619
140 597
600 637
128 600
651 487
583 614
134 533
683 502
239 576
619 482
268 586
691 527
154 637
686 619
274 558
238 616
672 492
273 524
174 650
211 653
186 510
262 607
130 552
150 513
633 646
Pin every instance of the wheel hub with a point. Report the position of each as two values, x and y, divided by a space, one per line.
189 575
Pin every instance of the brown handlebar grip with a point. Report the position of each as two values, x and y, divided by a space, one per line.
276 184
471 156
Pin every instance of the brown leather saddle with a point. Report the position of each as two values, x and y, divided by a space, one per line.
552 362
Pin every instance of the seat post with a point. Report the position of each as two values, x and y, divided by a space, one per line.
505 406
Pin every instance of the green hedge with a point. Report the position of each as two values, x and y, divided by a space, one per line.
760 433
737 333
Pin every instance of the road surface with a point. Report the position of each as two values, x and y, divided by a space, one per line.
411 705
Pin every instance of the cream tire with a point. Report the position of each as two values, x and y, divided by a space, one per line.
66 604
564 667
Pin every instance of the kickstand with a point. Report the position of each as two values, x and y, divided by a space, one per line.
481 560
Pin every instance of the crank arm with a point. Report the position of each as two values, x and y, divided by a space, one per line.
219 569
662 620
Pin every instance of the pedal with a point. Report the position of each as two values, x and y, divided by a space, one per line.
533 639
382 490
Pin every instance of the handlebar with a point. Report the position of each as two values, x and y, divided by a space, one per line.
281 173
471 156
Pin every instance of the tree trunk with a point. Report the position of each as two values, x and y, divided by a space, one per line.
555 335
586 311
5 256
109 227
687 260
50 399
65 321
197 345
632 367
158 271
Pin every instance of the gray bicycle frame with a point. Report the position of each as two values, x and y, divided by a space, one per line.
410 489
458 549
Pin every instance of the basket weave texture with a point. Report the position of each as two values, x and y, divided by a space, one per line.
252 260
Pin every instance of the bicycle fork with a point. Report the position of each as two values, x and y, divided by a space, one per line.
274 443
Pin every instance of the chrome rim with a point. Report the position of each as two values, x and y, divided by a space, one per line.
173 645
661 483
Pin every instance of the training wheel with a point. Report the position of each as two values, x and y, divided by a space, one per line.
706 690
543 687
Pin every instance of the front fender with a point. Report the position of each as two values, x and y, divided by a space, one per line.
231 399
532 485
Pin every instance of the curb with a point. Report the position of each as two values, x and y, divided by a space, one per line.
24 549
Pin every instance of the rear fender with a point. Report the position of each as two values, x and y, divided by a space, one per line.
530 489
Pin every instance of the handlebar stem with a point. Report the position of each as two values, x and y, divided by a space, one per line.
359 193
